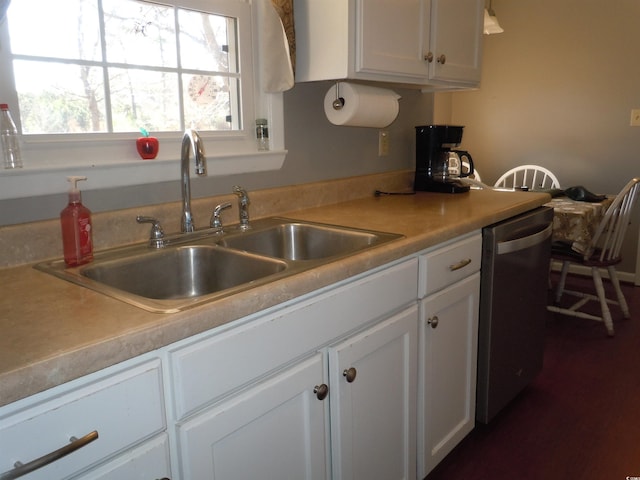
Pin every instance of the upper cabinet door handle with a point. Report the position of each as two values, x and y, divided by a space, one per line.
442 59
429 57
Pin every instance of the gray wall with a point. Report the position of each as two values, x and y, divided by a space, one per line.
318 150
557 90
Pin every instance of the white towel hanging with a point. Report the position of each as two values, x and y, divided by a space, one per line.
275 61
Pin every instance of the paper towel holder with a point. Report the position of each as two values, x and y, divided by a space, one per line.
338 103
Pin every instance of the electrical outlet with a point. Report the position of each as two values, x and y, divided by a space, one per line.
635 118
383 143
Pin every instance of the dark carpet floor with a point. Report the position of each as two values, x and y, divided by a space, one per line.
580 418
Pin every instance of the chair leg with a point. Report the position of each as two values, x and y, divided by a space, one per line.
606 313
562 280
613 275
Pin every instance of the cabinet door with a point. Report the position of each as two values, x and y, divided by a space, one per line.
456 40
448 359
275 430
373 401
391 36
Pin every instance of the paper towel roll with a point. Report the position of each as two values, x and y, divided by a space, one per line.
364 106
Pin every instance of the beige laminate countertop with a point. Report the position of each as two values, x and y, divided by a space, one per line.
53 331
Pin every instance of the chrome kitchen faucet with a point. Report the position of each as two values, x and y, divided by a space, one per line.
190 141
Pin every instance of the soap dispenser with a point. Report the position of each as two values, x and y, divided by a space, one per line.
76 227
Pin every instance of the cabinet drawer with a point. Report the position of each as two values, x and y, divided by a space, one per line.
145 462
124 409
448 264
206 370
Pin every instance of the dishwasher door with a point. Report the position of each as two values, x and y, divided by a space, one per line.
513 299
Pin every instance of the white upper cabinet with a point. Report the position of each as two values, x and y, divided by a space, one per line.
418 42
456 41
390 38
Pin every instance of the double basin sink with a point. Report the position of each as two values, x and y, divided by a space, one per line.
199 267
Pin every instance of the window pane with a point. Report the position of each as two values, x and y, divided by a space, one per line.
167 67
52 29
141 98
140 33
204 41
71 100
207 104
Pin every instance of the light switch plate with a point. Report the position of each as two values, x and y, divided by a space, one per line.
383 143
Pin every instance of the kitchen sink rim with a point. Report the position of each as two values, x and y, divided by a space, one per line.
205 237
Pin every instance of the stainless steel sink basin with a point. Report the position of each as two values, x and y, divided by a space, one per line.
182 272
199 267
304 241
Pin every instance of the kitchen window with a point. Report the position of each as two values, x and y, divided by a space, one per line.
83 78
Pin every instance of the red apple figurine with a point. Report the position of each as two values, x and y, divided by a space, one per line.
147 146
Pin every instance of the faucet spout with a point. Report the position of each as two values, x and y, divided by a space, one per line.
243 206
190 142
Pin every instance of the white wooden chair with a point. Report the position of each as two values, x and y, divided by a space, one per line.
602 252
534 177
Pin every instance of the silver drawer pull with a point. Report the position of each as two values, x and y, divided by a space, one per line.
24 468
459 265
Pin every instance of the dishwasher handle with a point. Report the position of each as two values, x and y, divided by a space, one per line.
521 243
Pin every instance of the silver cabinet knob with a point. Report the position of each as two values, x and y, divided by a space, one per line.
433 321
428 57
350 374
321 391
442 59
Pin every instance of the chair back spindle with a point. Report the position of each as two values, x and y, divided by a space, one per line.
611 231
534 177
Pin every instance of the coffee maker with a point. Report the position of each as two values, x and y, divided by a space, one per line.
438 166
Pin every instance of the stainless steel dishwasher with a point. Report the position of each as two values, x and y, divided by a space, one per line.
513 298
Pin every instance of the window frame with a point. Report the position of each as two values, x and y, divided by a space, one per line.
110 160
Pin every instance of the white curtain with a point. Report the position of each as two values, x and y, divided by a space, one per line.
285 10
277 48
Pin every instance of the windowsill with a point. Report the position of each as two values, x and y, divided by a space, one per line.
44 180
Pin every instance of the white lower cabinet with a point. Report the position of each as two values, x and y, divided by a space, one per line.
449 332
279 428
274 430
373 390
325 388
448 349
119 411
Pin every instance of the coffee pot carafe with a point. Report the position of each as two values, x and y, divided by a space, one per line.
460 164
439 166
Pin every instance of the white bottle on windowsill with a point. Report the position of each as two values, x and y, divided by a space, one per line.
9 138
